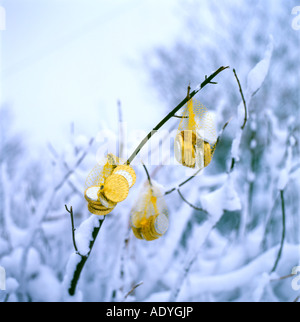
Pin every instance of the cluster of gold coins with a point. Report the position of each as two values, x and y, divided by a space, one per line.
196 136
149 217
111 187
191 150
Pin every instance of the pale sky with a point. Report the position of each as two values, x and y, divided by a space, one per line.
67 61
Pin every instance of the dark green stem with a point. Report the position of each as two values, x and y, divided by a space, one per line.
243 99
148 175
283 231
73 228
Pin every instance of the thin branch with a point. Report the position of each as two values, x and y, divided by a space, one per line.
295 168
188 92
233 160
132 290
283 231
232 164
297 299
243 99
180 117
220 135
53 152
282 277
184 182
214 83
71 171
191 205
267 223
181 279
73 228
172 113
147 173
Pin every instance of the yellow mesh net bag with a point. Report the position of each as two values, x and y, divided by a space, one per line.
149 217
102 171
196 136
107 184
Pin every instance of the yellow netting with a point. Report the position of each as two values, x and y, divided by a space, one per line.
149 216
107 184
102 171
196 136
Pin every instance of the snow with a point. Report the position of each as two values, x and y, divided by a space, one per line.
263 280
255 80
224 198
83 234
12 261
283 179
253 144
236 145
11 285
258 74
251 176
81 142
44 287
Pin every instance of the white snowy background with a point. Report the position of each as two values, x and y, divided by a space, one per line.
68 68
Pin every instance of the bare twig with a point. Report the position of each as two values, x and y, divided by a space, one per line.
70 211
283 231
180 117
181 279
214 83
233 160
282 277
147 173
297 299
220 135
191 205
132 290
243 99
267 223
71 171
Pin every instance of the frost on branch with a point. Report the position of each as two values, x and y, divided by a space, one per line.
258 74
224 198
83 234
